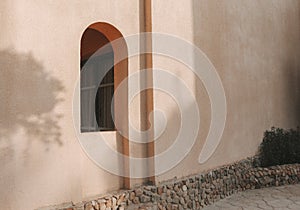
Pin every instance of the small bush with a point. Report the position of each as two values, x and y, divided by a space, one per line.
280 147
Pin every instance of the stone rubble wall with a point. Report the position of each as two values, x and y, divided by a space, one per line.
197 191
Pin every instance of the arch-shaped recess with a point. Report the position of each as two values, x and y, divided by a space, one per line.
94 37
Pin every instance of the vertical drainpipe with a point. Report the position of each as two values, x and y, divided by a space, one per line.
149 92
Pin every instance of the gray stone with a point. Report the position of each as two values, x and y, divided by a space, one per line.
102 206
132 196
114 202
176 200
145 199
163 196
89 206
136 200
182 200
121 199
138 192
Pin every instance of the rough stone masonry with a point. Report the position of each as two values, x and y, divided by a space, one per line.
197 191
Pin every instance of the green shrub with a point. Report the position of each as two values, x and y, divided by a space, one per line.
280 147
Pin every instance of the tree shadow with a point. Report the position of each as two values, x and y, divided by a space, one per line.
28 96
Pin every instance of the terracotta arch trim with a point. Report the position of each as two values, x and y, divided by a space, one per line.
120 73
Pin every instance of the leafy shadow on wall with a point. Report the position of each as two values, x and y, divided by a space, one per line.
28 96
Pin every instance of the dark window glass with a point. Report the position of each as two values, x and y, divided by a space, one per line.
96 99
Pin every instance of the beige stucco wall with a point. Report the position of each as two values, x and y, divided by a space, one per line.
255 48
253 44
42 162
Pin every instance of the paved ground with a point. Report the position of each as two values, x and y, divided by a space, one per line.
285 197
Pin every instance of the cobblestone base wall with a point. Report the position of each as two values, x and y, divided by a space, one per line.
196 191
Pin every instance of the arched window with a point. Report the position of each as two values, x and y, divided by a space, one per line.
96 82
104 66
